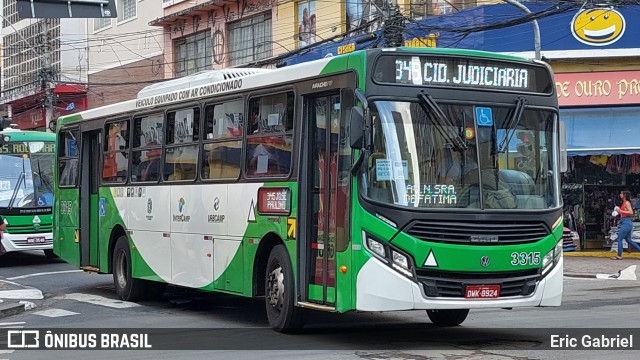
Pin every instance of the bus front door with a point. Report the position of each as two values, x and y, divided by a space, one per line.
89 202
321 203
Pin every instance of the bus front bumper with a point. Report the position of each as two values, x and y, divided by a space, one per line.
22 242
380 288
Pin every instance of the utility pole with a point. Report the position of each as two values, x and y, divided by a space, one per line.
47 73
534 22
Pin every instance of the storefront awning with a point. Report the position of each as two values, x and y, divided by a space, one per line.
602 131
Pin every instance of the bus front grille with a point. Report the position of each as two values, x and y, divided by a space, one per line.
479 233
453 284
29 229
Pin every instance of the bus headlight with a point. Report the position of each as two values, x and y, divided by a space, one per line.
558 251
547 262
375 247
552 257
401 263
389 254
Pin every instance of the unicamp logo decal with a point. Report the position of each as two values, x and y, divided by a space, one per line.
598 27
215 217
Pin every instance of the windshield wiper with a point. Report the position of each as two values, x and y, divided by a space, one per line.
512 123
44 180
428 104
15 191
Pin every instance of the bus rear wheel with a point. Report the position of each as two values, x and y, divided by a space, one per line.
282 313
127 287
452 317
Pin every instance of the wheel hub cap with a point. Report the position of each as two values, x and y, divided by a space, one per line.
121 268
275 291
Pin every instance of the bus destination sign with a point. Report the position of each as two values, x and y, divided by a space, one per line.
274 201
26 148
462 73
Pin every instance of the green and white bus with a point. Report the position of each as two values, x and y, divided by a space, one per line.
380 180
26 189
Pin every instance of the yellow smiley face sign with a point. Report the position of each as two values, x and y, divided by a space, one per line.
598 27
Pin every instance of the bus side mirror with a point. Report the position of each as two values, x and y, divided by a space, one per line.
356 128
563 147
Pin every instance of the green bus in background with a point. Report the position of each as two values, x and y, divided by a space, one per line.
379 180
26 189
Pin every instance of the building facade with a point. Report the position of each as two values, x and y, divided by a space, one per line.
41 53
212 34
124 53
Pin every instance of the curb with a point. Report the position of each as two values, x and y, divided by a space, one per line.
601 254
582 276
8 309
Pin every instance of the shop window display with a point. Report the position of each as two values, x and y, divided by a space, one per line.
590 191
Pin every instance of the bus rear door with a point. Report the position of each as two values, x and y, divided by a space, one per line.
89 203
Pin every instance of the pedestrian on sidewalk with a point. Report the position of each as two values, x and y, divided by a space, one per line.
3 227
626 225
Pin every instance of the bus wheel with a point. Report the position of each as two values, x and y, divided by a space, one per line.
50 254
127 288
282 313
453 317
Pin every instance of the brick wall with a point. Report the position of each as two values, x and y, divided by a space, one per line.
122 77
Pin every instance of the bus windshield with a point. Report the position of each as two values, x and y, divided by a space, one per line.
440 155
26 179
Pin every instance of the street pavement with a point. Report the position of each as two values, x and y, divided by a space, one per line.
14 295
74 299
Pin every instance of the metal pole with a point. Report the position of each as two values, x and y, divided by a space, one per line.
536 28
47 74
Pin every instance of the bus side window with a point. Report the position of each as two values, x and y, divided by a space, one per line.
222 148
115 163
270 137
145 165
147 139
181 151
68 157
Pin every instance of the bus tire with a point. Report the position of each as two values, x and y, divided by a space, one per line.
279 297
127 288
49 254
445 318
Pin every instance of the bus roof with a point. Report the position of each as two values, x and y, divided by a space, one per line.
27 135
227 81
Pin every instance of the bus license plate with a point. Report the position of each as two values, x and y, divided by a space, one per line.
482 291
35 240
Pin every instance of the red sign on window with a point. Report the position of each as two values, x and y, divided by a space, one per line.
274 201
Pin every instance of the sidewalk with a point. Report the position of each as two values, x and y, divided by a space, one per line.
589 264
601 254
9 306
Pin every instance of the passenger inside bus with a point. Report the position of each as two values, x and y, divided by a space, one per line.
496 193
149 170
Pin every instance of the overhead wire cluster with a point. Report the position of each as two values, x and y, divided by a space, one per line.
392 25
